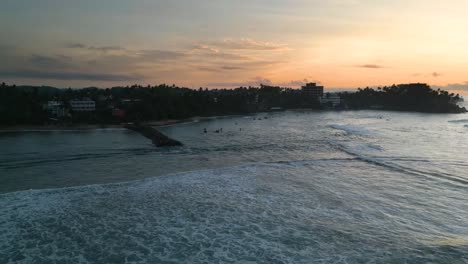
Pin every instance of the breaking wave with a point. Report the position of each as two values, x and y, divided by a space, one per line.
352 129
304 193
364 150
459 121
263 213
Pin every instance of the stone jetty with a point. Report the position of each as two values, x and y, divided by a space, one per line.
158 138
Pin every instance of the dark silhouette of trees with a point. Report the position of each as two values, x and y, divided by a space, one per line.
21 105
404 97
25 104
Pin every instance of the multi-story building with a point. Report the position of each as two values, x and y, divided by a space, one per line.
83 105
312 90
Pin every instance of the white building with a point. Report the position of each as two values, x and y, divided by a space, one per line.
83 105
54 104
330 99
55 108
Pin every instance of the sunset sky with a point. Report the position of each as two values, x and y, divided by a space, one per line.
220 43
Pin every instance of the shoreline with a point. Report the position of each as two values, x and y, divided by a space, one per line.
168 122
84 127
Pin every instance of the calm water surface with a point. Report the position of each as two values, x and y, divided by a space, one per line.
295 187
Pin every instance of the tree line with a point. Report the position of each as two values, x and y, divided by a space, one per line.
417 97
25 104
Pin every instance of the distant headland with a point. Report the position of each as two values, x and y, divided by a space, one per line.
34 105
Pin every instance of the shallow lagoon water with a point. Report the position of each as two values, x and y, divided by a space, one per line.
297 187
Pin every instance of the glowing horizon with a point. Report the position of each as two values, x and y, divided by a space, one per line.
339 43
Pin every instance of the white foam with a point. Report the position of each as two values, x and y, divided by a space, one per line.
459 121
255 213
353 129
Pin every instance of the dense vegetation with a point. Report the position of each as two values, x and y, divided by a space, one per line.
25 104
416 97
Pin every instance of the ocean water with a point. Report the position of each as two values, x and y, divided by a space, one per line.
289 187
